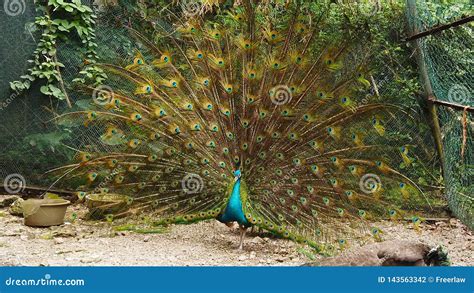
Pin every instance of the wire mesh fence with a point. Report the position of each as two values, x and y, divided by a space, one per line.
448 58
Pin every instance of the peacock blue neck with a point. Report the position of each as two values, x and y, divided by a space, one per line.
233 211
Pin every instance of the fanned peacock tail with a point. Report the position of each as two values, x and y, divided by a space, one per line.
264 91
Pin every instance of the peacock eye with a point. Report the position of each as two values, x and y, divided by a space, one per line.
273 36
174 83
206 82
199 56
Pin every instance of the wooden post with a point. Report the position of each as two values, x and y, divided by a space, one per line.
428 90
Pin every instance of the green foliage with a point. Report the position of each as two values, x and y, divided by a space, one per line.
61 21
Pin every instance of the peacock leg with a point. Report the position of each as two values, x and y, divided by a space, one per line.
243 229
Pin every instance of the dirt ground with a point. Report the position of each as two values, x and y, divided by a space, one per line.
85 243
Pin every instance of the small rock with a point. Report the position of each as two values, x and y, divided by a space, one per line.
242 257
64 231
146 239
253 254
7 200
12 232
266 239
257 240
441 224
16 208
91 259
58 241
280 259
453 222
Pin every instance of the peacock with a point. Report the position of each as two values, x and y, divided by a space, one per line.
250 114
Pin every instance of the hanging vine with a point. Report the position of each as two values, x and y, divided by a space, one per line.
61 21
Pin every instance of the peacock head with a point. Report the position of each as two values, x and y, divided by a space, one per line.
237 174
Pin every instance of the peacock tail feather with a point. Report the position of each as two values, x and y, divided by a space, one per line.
259 90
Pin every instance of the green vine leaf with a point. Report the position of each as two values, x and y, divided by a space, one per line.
60 19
